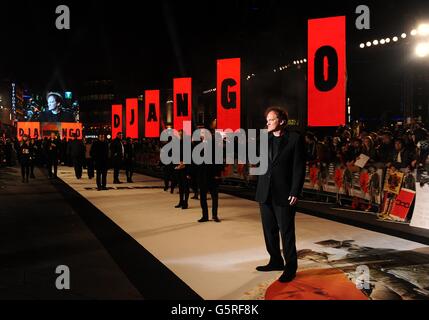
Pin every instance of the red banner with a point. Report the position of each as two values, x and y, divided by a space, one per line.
69 129
132 117
31 129
182 97
327 71
402 203
116 119
228 94
152 114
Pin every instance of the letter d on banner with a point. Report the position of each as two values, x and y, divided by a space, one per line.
116 119
152 114
327 71
228 94
182 97
132 117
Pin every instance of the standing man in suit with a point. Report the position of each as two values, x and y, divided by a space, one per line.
117 151
129 157
208 176
52 154
100 154
277 193
76 152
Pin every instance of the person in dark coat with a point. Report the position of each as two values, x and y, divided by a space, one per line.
129 158
182 173
34 147
88 159
117 152
277 193
100 155
25 155
208 176
76 151
402 157
52 154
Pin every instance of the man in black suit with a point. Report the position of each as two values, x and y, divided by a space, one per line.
208 177
277 193
100 154
118 151
52 154
76 152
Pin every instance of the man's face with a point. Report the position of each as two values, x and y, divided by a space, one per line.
273 122
53 136
386 139
52 103
398 146
119 136
101 138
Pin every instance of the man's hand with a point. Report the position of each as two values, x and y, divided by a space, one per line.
292 200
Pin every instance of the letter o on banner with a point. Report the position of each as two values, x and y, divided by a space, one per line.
327 71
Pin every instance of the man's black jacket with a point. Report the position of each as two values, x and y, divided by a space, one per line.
286 170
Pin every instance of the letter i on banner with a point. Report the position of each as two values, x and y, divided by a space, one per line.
228 94
116 119
182 97
327 71
152 114
132 117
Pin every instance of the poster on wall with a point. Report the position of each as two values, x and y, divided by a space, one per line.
420 216
362 183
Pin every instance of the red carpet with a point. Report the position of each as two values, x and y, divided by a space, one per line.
319 284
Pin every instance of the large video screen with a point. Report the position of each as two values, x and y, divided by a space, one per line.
53 109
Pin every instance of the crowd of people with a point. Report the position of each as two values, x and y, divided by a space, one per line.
401 146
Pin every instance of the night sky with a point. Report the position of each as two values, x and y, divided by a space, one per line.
144 44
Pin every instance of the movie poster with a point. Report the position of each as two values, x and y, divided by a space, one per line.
420 216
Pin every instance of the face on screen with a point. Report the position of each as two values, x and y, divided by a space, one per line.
52 103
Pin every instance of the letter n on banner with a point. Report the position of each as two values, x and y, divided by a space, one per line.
132 117
116 119
182 97
152 114
327 71
228 94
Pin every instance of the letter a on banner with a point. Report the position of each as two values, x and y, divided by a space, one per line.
116 119
152 114
132 117
182 97
327 71
228 94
